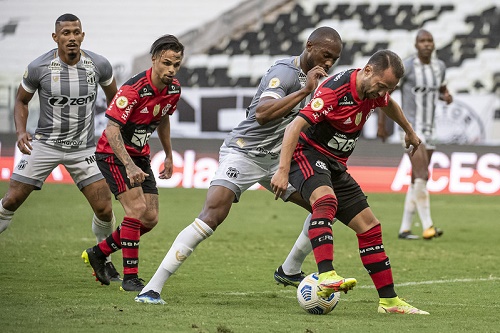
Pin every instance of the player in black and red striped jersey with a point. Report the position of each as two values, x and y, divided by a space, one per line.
141 106
316 146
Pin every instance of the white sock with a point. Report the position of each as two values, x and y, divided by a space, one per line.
409 210
181 249
103 229
5 217
302 247
423 204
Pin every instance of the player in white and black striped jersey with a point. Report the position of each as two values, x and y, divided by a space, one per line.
423 85
67 80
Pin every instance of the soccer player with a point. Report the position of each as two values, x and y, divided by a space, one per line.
316 147
67 80
142 105
423 84
250 152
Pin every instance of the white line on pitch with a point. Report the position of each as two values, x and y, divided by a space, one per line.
416 283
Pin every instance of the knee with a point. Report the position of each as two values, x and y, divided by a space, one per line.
150 219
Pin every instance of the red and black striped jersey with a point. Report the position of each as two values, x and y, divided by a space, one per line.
138 107
337 115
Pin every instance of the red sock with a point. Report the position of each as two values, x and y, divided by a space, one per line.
129 238
111 243
320 231
376 261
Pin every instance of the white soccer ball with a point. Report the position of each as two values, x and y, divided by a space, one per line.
310 301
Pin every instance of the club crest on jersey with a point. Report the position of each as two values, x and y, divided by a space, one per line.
317 104
156 109
274 82
121 102
232 172
359 116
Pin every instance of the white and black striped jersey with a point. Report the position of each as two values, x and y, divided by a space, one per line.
67 97
420 91
282 79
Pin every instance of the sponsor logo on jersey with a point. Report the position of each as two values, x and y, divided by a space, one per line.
346 100
339 75
165 109
55 66
274 82
173 89
62 101
156 110
321 165
359 116
70 143
232 172
145 110
121 102
317 104
146 91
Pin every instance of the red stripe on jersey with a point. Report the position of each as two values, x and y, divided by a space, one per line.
142 82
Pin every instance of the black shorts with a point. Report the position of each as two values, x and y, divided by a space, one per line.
310 169
115 174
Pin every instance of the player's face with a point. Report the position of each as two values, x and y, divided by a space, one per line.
377 84
324 54
69 37
424 44
165 67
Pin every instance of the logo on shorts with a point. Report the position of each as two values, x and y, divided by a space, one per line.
22 164
321 165
90 159
232 172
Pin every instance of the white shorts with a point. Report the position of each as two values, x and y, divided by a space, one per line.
238 172
35 168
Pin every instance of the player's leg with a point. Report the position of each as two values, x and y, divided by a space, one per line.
374 259
236 173
216 208
409 210
420 175
28 175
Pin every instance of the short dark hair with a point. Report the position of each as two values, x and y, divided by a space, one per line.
66 18
384 59
166 42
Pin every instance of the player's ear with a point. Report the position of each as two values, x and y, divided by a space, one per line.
54 37
83 36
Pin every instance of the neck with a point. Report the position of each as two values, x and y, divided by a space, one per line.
69 59
424 60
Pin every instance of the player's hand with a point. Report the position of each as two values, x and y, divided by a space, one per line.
313 77
382 133
279 183
24 143
168 168
412 142
135 175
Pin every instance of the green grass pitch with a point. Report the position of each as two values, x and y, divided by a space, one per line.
227 284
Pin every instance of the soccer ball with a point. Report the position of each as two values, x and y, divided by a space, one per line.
310 301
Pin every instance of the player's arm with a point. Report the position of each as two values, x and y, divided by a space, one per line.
21 112
445 95
270 108
394 111
115 139
164 136
279 182
110 91
381 130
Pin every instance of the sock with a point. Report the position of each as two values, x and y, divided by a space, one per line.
422 201
130 235
320 231
184 244
102 229
376 262
5 217
302 247
409 210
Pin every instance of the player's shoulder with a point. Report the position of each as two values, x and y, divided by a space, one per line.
339 79
134 80
174 87
44 59
97 59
